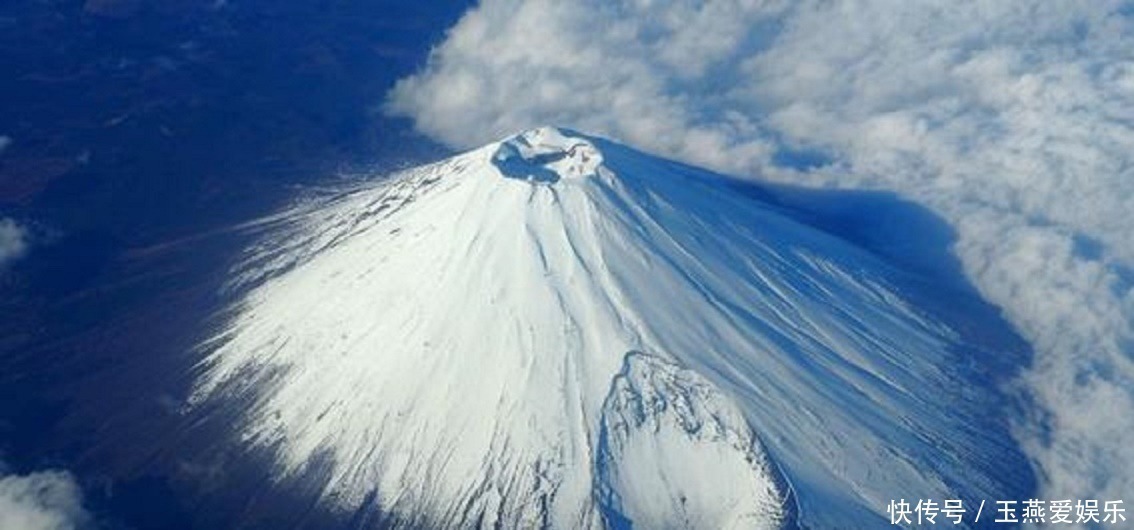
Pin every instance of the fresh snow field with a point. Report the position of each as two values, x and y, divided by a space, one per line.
555 330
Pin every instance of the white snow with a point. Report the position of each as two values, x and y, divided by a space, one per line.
674 453
459 340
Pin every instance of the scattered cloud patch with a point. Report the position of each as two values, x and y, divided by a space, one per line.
630 70
5 143
1012 119
45 500
13 241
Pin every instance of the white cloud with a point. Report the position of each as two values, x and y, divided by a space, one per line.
1014 119
46 500
13 241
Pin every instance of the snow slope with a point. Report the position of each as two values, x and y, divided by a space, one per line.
555 330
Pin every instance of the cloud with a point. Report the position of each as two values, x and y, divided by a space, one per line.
46 500
1014 119
13 241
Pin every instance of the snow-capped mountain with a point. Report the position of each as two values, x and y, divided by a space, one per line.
558 331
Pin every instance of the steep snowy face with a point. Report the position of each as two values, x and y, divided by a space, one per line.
555 330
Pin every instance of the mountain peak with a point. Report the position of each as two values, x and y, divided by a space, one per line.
502 339
547 154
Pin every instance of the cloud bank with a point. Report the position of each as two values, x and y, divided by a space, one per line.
1013 119
46 500
13 241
